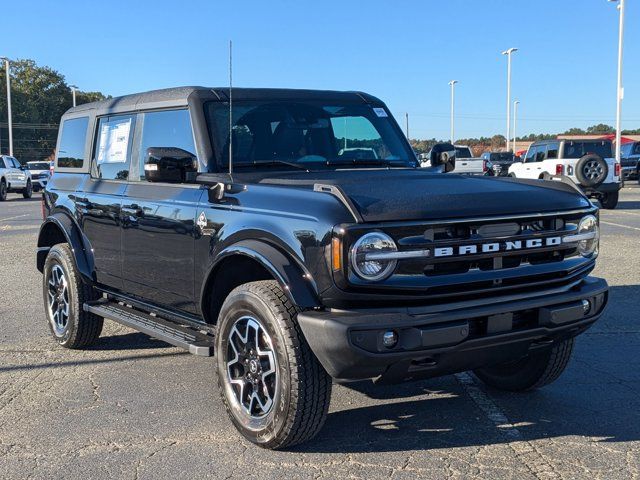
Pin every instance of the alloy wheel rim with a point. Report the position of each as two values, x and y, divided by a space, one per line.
58 300
251 367
593 170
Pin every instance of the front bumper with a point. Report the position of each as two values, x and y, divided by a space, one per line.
443 339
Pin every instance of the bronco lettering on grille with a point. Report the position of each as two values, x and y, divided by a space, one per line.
503 246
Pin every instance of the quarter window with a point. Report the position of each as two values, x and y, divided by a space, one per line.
71 148
552 150
113 147
167 129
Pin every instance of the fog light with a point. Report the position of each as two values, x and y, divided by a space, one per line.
586 306
389 339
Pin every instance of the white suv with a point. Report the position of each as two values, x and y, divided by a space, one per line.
589 163
14 178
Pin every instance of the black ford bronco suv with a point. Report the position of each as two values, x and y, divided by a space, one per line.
298 241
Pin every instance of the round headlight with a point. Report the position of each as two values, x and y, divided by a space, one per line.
589 248
363 256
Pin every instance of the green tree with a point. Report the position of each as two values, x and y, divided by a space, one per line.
39 97
600 128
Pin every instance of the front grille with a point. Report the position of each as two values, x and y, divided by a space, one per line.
481 274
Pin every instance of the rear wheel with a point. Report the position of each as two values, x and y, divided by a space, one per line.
64 296
3 190
273 387
27 191
531 372
609 200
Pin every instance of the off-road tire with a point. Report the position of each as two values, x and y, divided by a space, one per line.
27 191
83 328
300 408
512 175
588 166
609 200
3 190
534 371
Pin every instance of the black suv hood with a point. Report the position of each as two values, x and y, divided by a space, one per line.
409 194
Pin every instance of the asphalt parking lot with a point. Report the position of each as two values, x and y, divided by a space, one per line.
133 407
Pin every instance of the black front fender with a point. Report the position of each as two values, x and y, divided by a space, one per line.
295 281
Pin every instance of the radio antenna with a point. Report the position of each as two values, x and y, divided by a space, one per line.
230 109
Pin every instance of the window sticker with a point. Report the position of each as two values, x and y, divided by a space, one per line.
114 141
380 112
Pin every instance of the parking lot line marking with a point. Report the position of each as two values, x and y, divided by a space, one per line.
524 450
12 218
619 225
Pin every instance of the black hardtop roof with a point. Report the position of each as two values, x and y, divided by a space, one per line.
581 140
179 96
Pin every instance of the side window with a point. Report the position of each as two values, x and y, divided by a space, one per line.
540 152
552 151
14 163
531 153
71 149
166 129
112 152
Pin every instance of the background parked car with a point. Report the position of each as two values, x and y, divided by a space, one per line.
39 174
630 161
14 177
500 159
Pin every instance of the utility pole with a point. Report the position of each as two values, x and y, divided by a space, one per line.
9 120
515 122
73 93
508 54
452 84
406 119
620 88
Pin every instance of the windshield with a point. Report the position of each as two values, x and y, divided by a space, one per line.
308 134
578 149
463 152
38 166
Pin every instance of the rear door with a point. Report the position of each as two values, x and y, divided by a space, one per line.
158 219
100 198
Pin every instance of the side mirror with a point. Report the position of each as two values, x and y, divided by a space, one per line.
443 155
170 165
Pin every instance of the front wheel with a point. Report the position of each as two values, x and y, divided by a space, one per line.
610 200
3 190
27 191
273 387
531 372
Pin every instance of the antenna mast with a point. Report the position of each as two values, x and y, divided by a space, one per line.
230 109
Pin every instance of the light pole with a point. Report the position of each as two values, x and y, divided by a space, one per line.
515 122
9 121
452 84
406 119
73 93
620 88
508 54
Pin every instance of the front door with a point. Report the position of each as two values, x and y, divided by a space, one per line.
158 219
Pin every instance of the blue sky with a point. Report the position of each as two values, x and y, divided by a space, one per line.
405 52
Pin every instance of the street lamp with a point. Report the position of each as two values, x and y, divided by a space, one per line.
619 88
10 123
73 93
515 123
452 84
508 54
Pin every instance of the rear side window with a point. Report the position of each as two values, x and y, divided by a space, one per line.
169 129
552 151
71 148
113 147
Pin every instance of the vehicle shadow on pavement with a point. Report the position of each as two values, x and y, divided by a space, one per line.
129 341
597 397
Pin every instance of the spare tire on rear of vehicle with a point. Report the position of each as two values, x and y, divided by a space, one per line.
591 170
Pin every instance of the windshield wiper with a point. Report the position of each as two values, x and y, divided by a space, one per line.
271 163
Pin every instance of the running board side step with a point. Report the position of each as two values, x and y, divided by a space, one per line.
196 342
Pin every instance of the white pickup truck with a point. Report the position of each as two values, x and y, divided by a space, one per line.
467 164
588 163
14 178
